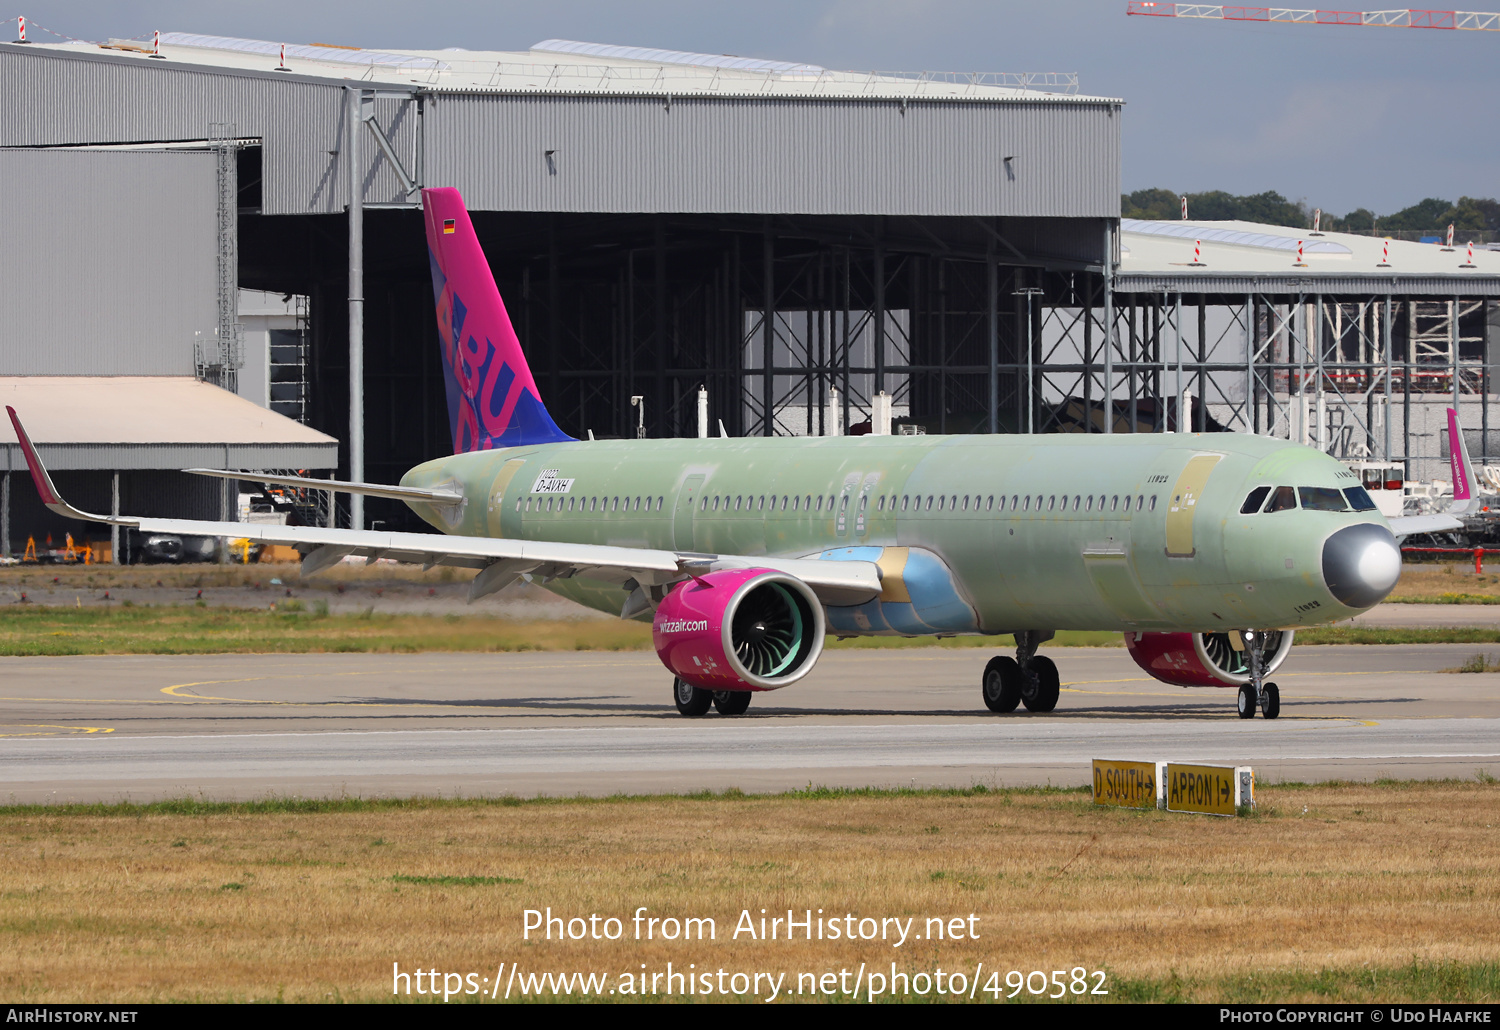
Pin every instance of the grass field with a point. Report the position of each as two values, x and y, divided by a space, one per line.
294 627
304 623
1383 892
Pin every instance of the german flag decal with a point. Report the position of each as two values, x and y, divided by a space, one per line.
448 227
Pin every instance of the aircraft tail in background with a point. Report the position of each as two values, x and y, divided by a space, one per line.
492 397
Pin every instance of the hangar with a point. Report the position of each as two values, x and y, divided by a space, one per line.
658 222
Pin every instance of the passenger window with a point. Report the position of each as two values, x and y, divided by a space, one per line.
1255 500
1014 500
864 501
1153 502
1027 504
880 504
1284 499
1114 502
1322 498
1359 500
940 502
929 502
844 503
989 504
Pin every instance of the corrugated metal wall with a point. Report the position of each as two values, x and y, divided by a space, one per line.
611 153
94 97
776 156
107 261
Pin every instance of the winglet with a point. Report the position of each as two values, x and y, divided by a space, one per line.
44 488
1465 497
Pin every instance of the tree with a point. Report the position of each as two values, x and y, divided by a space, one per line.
1215 206
1473 213
1431 213
1156 204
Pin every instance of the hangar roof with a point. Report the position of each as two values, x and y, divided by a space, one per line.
1231 254
568 66
153 422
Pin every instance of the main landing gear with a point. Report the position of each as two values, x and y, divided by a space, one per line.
1258 693
694 701
1027 679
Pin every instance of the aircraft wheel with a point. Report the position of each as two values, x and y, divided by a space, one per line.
1247 701
1001 685
1272 707
1047 685
732 702
691 700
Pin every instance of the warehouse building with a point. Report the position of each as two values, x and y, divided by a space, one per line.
658 222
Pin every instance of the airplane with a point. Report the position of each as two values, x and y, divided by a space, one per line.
1207 551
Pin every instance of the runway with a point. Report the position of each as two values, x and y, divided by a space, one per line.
240 727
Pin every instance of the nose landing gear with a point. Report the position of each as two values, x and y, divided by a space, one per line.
1029 678
1258 693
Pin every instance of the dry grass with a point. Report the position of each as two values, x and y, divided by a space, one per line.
1359 892
296 627
1447 583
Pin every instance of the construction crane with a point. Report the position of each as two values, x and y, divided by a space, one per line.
1472 21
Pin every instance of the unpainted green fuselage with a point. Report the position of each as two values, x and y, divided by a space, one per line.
1033 528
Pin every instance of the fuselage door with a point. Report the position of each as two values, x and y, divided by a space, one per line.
682 515
1183 504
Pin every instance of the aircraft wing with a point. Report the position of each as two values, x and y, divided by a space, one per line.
1411 525
501 561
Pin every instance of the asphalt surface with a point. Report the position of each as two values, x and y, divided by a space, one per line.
240 727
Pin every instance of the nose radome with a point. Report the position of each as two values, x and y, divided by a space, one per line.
1361 564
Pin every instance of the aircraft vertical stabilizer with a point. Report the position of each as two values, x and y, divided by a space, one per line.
1465 497
492 397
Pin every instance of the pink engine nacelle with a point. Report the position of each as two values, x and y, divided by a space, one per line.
739 629
1202 659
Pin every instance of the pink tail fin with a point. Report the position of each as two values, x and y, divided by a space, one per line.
492 397
1465 498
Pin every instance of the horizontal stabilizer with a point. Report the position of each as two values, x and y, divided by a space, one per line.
1412 525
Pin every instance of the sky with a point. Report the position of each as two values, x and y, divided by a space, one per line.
1336 117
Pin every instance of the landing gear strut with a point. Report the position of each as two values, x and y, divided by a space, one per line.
1258 693
1028 678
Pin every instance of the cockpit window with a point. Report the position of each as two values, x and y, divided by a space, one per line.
1359 500
1255 500
1284 499
1322 498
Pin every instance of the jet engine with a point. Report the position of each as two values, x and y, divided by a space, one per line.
739 629
1204 659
